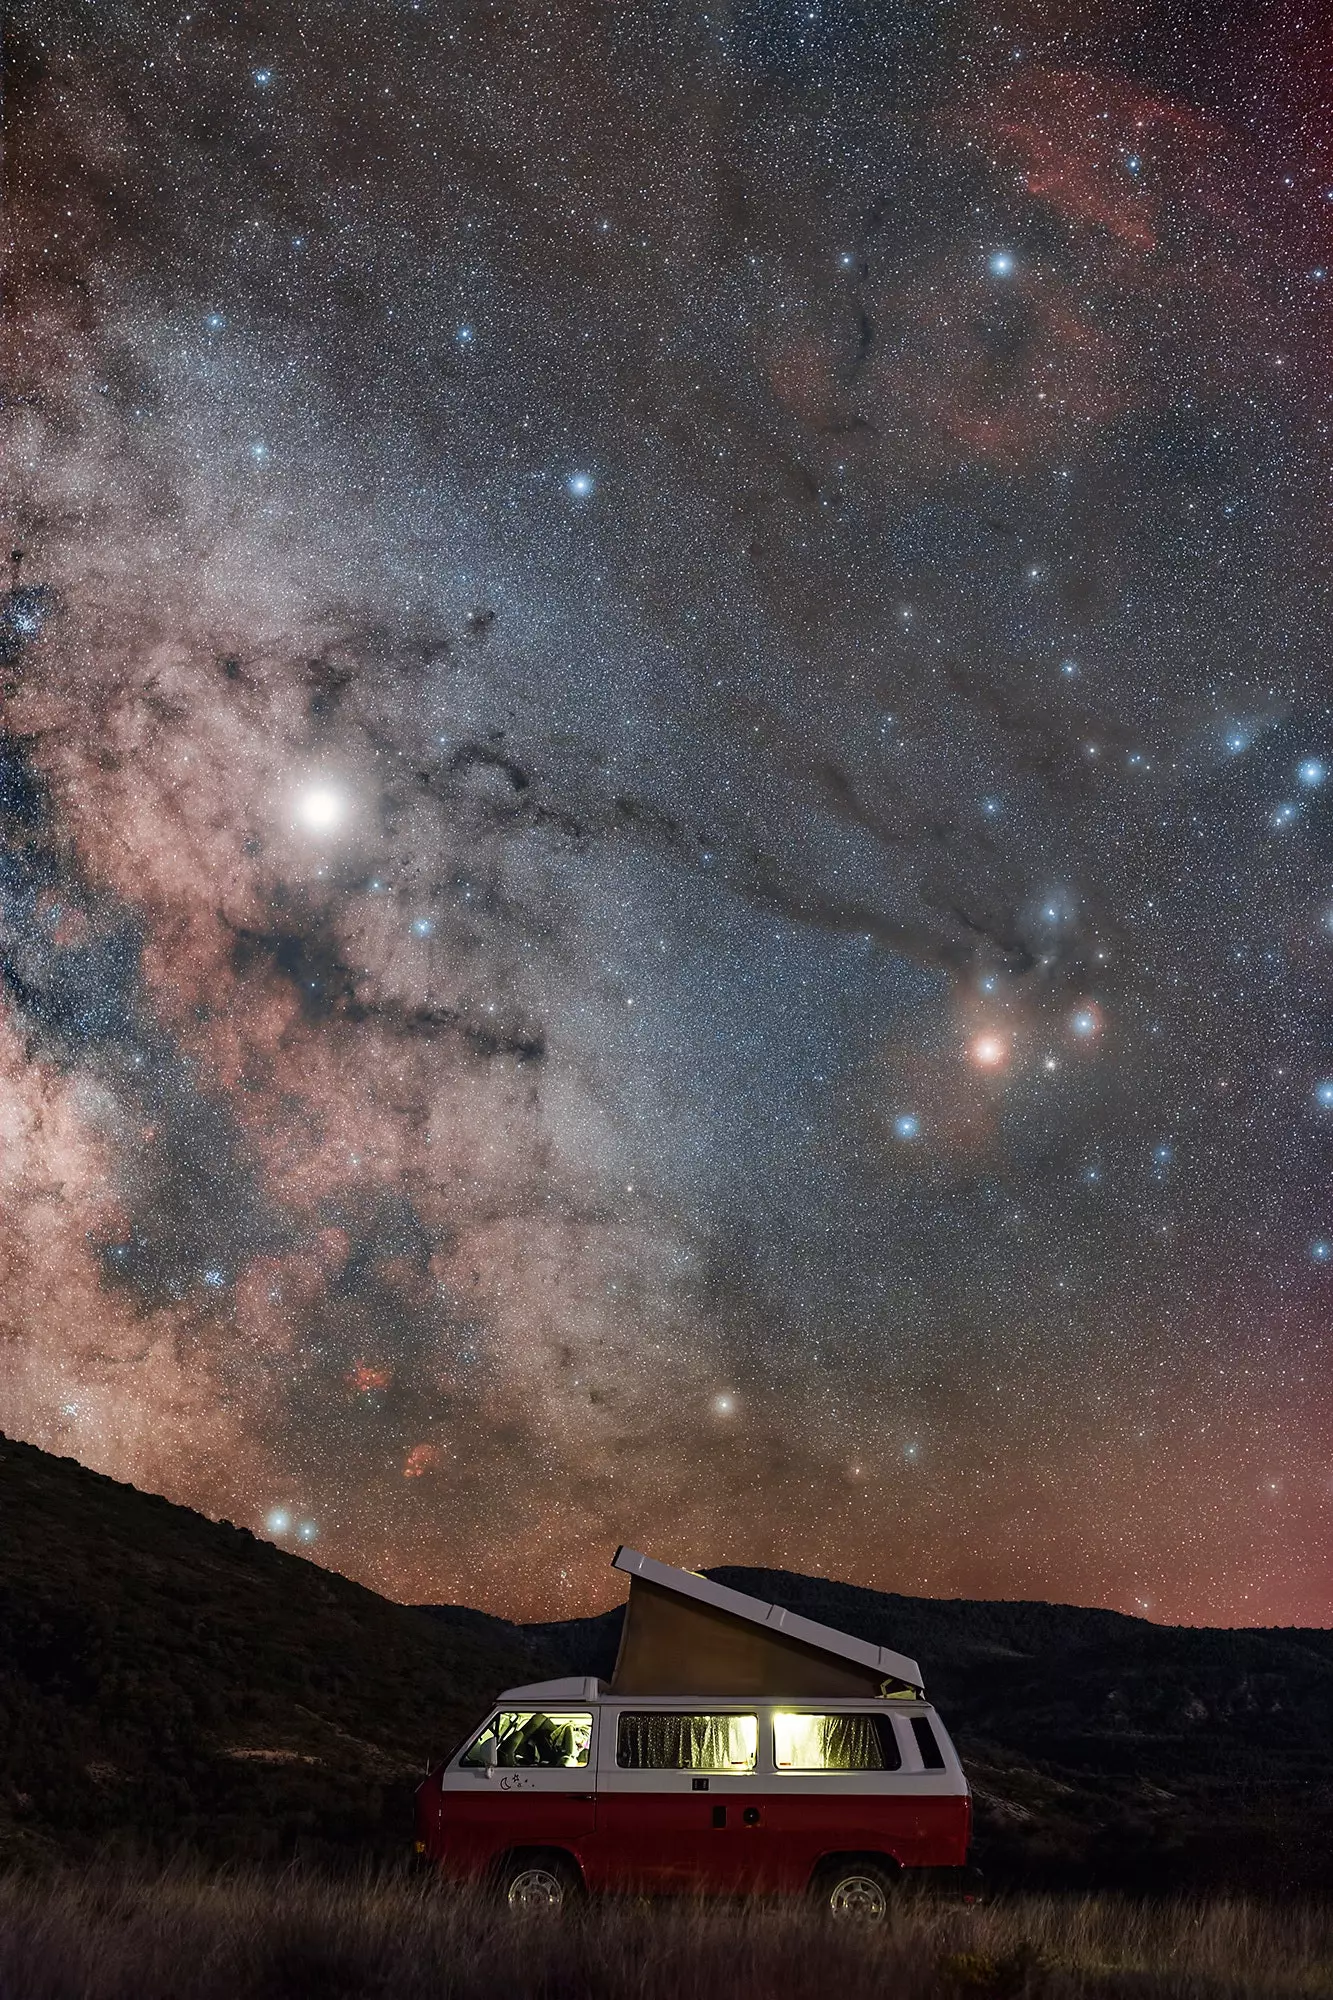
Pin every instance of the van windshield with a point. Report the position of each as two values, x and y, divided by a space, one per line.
687 1742
546 1738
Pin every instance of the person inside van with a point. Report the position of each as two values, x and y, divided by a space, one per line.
540 1740
544 1741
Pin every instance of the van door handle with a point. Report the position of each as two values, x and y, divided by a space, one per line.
584 1796
751 1815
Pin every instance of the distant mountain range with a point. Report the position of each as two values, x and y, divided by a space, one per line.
167 1680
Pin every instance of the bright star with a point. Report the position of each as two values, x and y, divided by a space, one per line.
306 1531
1001 264
263 77
319 809
1084 1023
1283 815
580 484
1324 1093
907 1126
1311 772
278 1521
988 1051
423 927
724 1405
1321 1251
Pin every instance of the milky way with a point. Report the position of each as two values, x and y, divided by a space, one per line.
666 871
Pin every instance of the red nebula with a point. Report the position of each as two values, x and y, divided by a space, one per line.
365 1378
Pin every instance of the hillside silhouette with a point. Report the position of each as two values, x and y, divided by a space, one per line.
169 1681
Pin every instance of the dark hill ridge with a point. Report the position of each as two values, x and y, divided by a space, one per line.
174 1679
166 1679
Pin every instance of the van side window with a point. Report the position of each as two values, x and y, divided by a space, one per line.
927 1743
549 1740
835 1743
687 1742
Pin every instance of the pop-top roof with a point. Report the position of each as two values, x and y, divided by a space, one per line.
795 1644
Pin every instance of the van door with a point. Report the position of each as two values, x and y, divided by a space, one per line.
838 1783
527 1779
677 1800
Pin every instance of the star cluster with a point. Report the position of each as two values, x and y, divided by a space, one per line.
666 861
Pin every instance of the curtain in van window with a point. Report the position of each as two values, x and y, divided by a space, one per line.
834 1743
851 1743
687 1742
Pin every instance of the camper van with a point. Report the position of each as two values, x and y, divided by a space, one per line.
737 1748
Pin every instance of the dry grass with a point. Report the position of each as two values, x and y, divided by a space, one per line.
183 1935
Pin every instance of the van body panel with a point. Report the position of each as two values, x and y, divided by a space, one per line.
695 1830
671 1838
476 1824
800 1829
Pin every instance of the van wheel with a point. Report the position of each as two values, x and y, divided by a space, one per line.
855 1891
537 1884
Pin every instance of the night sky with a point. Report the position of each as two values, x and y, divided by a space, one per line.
666 787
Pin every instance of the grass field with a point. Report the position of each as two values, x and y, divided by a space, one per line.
181 1935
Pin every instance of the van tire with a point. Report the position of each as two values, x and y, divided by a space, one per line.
538 1881
855 1889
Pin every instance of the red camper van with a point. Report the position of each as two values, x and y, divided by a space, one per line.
737 1748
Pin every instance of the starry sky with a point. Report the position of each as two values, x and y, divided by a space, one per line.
666 787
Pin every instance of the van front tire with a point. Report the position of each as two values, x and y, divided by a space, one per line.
856 1889
539 1882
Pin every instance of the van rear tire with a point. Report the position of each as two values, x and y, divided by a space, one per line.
857 1890
540 1882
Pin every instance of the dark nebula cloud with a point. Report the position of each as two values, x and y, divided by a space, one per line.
665 766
